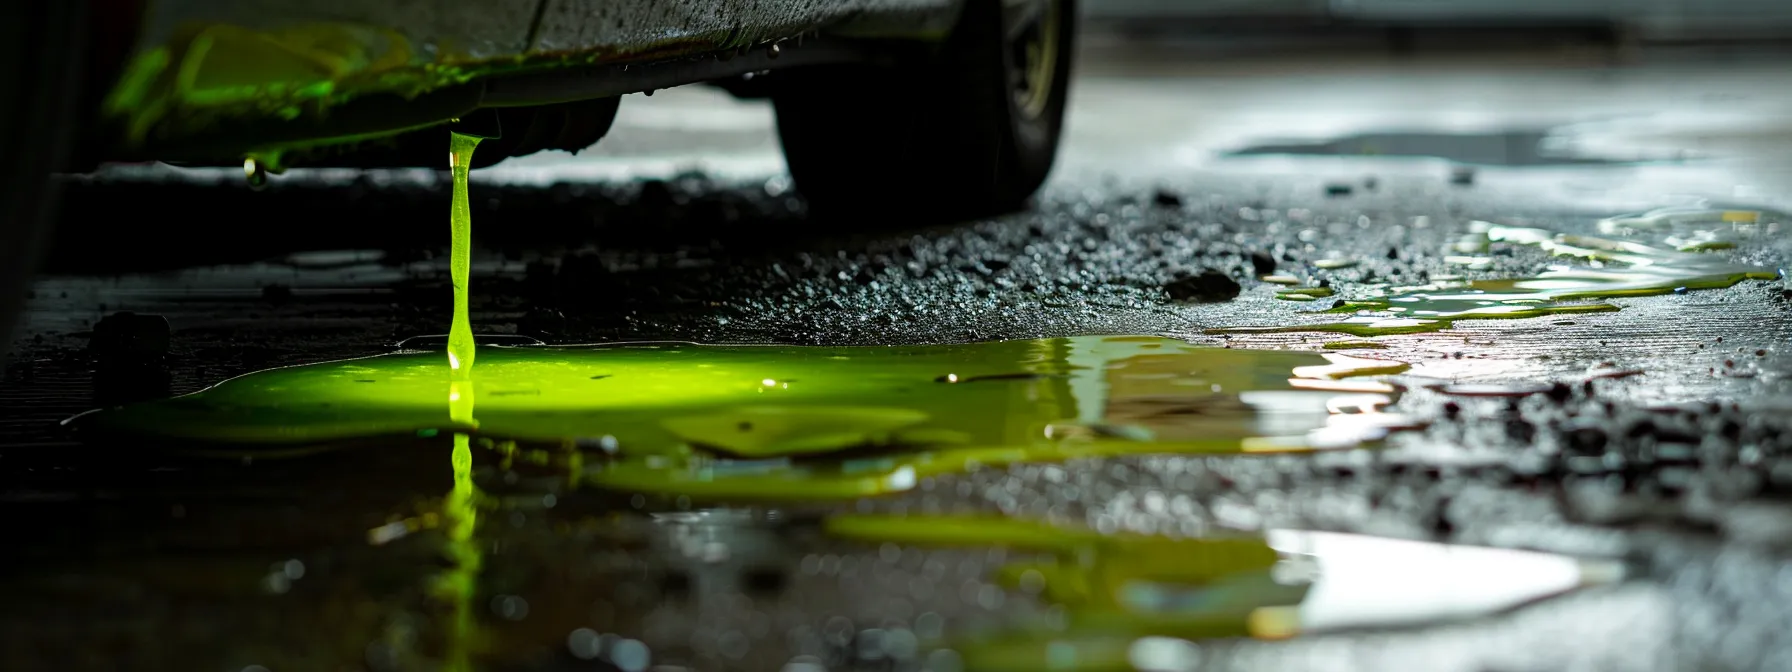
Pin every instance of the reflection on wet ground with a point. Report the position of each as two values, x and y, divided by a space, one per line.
1505 148
502 566
1614 268
1130 601
546 442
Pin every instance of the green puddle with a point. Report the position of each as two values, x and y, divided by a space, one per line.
797 421
1614 268
1132 601
787 423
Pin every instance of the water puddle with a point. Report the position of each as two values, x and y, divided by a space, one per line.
1698 217
1527 147
1613 269
1133 601
793 421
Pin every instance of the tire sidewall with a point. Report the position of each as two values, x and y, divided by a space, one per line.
1036 139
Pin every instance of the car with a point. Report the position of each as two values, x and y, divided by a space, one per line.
961 101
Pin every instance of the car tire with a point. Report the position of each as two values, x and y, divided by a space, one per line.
40 66
968 128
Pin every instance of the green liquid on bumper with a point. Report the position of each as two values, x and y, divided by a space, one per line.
795 422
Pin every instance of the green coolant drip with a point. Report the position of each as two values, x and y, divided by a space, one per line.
459 510
460 333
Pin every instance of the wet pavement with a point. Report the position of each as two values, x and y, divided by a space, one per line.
1609 472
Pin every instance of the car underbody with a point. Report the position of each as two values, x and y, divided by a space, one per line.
339 82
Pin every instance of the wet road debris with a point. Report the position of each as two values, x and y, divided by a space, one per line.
1635 269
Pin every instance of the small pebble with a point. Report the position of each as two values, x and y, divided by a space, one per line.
1207 287
1262 263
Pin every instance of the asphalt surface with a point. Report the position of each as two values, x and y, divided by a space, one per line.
1179 161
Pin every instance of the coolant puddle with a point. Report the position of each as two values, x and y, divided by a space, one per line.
1613 269
525 557
798 421
1133 601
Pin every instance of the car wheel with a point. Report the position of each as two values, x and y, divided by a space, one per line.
39 73
967 129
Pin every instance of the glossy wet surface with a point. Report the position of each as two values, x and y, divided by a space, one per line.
1130 601
1594 490
792 423
1512 148
1616 268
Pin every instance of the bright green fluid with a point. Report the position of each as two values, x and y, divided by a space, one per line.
456 587
794 422
460 333
1615 269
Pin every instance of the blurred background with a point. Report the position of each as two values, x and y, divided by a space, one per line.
1605 103
1653 20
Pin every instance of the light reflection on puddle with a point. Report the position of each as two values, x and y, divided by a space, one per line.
1132 600
1613 268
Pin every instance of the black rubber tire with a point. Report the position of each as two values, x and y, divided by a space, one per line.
941 135
40 68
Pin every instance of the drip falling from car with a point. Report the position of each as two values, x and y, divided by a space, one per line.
460 332
456 587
